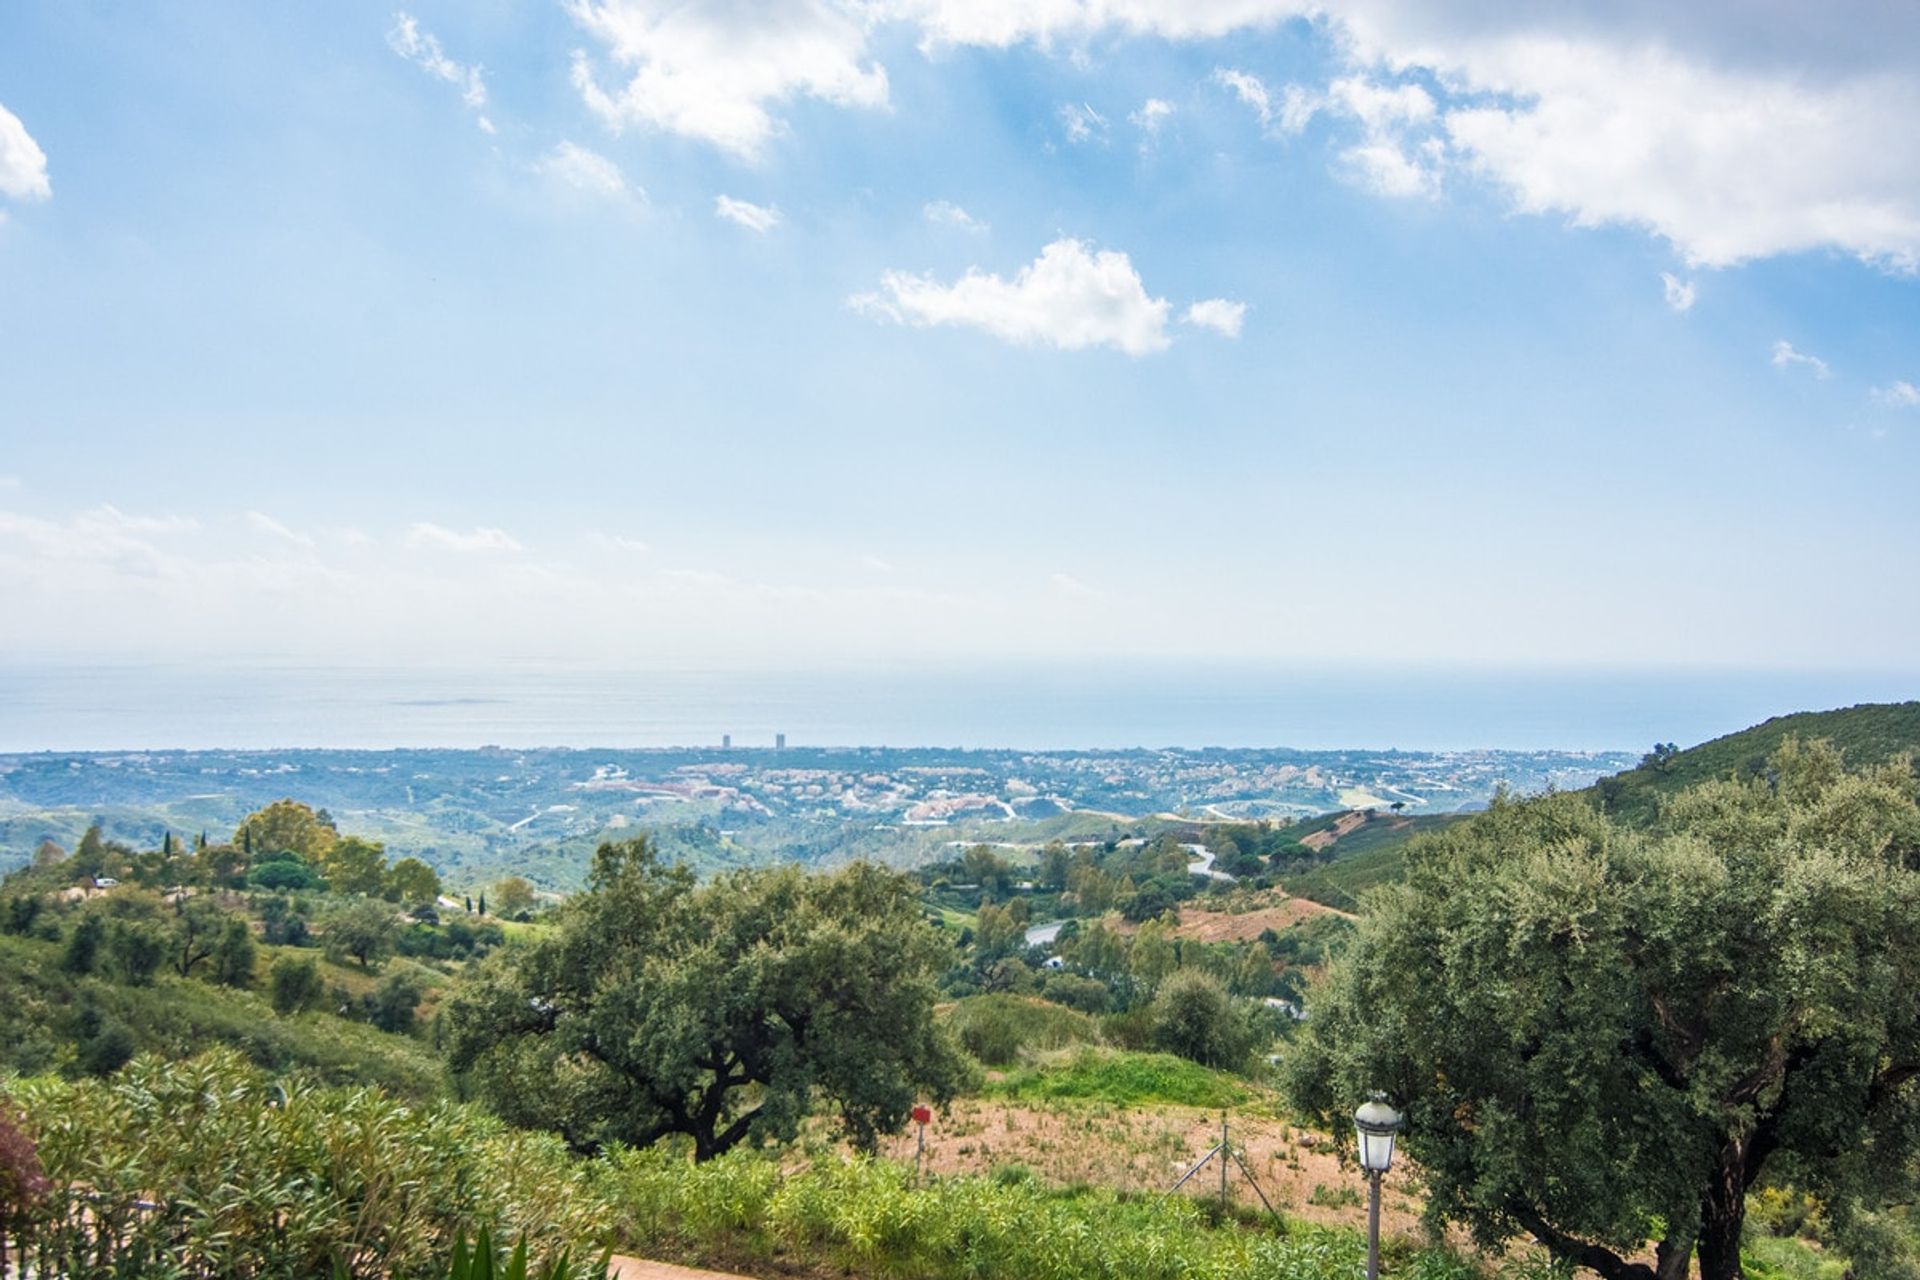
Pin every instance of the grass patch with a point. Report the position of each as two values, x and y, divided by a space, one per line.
997 1029
1789 1258
867 1218
1123 1079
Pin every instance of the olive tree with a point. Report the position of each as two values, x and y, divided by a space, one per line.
1603 1035
659 1006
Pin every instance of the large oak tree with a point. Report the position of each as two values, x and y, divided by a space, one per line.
1603 1035
659 1006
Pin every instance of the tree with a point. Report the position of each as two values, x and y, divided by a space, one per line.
135 949
284 870
235 955
1192 1016
411 881
197 927
82 953
660 1007
365 929
286 826
49 854
1593 1028
392 1004
352 865
293 985
511 897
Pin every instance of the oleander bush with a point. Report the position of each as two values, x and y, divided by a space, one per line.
210 1168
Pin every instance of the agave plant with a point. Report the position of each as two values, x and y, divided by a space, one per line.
484 1262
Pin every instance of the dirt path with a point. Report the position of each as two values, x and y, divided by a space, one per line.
639 1269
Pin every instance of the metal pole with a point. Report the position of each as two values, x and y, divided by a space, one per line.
919 1157
1373 1229
1225 1153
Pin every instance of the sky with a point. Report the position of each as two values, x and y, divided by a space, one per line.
923 331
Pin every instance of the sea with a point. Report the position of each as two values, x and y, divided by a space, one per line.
271 704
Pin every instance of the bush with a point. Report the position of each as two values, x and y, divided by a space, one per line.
249 1177
1193 1016
996 1029
294 984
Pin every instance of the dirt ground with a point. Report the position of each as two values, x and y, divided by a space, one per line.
1148 1149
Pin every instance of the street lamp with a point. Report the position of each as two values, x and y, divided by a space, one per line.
1376 1123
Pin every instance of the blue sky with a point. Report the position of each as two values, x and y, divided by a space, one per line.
927 331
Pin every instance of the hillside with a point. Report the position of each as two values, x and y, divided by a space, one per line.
1867 734
1370 853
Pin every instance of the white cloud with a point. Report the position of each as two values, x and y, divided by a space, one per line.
109 518
1680 293
1733 132
876 564
1288 112
1068 585
1784 356
1153 113
23 165
1726 162
1082 123
1070 297
438 537
423 49
268 525
754 217
942 213
617 542
1218 314
1898 395
588 171
711 69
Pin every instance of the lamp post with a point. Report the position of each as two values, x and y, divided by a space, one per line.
1376 1123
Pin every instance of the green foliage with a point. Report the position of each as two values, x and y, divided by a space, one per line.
997 1029
658 1006
412 881
286 872
365 929
393 1003
1123 1078
286 826
235 956
57 1021
294 984
1592 1027
484 1262
247 1176
1193 1016
867 1218
355 866
512 897
1869 734
135 949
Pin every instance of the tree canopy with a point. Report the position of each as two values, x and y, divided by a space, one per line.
661 1007
1598 1032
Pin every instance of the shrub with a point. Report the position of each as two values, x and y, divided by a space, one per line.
244 1176
294 985
1193 1016
997 1028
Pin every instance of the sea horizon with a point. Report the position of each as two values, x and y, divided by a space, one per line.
85 706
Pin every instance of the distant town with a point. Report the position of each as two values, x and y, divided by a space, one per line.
542 811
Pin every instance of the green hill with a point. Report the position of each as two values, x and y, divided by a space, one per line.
1370 855
1870 733
1867 734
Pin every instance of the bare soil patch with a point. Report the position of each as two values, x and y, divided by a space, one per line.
1146 1151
